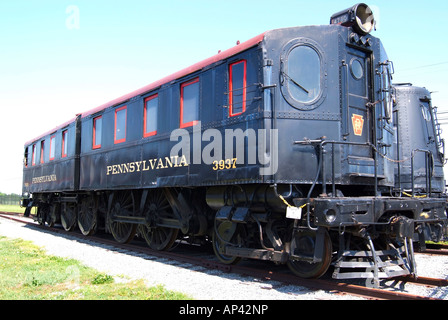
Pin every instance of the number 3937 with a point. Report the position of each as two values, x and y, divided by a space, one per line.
224 164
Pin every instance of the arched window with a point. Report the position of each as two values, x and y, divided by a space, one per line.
303 77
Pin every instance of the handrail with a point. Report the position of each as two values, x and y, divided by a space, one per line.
429 163
333 178
321 143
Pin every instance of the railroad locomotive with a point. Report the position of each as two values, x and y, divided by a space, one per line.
293 147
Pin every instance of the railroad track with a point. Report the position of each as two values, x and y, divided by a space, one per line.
436 249
208 261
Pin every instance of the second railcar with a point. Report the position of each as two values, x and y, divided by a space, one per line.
420 146
51 168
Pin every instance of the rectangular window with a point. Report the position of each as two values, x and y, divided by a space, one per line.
120 125
25 158
237 88
33 162
189 103
52 147
42 144
97 129
64 143
150 116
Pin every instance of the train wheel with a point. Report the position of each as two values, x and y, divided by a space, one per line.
158 238
123 205
68 216
87 216
225 232
53 214
43 211
45 215
304 246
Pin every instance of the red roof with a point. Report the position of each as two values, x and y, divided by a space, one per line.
196 67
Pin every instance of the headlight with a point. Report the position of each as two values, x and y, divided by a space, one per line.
360 17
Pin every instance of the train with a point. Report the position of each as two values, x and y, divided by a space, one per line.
294 147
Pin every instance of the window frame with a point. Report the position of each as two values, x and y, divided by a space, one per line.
94 133
42 151
25 157
125 124
52 147
285 82
316 60
151 133
33 159
231 113
64 143
182 87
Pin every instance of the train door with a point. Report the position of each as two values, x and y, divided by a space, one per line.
357 117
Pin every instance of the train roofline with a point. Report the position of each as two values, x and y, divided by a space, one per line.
182 73
179 74
59 127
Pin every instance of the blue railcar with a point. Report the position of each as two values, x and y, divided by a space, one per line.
287 147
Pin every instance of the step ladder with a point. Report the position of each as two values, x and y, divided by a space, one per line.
376 264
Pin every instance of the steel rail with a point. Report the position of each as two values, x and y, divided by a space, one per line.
285 278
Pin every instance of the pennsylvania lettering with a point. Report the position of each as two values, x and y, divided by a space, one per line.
146 165
44 179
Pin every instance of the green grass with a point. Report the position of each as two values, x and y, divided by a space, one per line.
11 208
26 272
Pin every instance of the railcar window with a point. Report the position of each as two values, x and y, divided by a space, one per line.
52 147
304 75
97 129
42 145
237 88
25 158
64 143
120 125
189 103
357 69
387 90
426 112
150 116
33 162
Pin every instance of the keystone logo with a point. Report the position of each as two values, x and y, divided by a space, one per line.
358 124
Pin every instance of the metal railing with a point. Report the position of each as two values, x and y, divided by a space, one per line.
322 166
429 166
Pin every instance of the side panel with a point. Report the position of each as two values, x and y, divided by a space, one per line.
300 117
58 174
339 106
220 149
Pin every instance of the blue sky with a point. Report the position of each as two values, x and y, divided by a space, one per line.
59 58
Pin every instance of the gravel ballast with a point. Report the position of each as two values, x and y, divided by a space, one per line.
196 281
